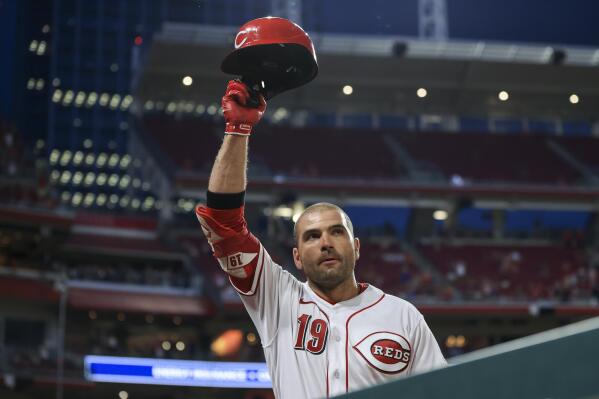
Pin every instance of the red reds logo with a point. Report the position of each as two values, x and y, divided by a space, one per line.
243 36
385 351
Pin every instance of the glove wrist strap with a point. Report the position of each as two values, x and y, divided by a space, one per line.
238 129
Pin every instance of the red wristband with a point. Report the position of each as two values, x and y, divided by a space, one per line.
238 129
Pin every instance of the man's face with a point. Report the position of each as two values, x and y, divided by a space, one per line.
326 250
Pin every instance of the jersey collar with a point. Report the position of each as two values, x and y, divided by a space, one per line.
368 294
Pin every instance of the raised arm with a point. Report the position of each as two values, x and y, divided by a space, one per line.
222 217
229 170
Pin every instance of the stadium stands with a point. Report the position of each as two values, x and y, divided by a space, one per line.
326 152
490 157
192 144
585 149
515 272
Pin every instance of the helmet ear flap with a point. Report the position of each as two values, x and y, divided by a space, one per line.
272 55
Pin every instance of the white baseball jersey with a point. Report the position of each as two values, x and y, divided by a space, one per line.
315 348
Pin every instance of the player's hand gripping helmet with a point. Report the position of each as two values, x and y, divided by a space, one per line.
272 55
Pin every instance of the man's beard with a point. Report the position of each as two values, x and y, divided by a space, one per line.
329 278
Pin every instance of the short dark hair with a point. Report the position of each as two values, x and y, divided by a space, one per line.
317 207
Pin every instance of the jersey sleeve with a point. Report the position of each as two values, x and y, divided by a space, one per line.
427 353
259 281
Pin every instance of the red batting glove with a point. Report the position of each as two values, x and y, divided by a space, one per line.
239 118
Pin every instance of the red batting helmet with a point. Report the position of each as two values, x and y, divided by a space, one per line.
272 55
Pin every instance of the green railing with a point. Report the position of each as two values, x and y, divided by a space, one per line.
560 363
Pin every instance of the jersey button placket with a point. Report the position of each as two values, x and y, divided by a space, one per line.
336 359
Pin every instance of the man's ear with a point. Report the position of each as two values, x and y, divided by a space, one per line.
357 247
296 259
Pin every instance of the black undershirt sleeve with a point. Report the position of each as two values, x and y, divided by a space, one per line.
224 200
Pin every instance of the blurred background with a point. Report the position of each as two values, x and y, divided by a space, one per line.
461 137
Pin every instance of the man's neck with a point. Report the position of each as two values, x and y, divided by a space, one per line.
344 291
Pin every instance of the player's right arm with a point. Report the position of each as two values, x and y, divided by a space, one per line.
240 254
222 219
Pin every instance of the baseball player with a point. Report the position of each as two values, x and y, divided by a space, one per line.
329 335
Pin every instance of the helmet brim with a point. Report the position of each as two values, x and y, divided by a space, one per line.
272 68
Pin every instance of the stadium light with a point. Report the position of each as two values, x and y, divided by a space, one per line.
113 160
503 95
200 108
87 143
101 160
65 196
149 105
166 345
148 203
78 158
41 48
440 215
124 202
187 205
280 114
33 46
65 158
54 156
114 101
56 96
89 199
189 106
421 92
347 90
101 199
251 338
79 99
127 100
187 81
30 84
125 161
104 98
54 176
65 177
113 180
91 99
90 159
89 179
113 199
101 180
123 395
171 107
283 212
68 97
228 343
180 345
574 99
135 203
212 108
77 178
76 200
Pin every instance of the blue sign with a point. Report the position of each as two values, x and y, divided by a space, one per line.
137 370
